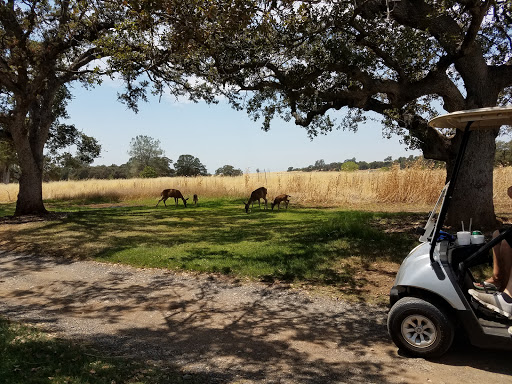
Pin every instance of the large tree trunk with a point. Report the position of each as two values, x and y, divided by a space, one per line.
473 194
29 148
30 196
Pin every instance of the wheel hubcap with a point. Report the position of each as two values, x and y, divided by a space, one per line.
419 331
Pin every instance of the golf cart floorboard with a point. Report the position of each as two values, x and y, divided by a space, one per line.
494 328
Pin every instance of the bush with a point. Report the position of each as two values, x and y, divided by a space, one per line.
148 173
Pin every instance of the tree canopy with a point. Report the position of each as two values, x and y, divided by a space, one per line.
188 165
146 154
59 161
400 62
144 149
503 153
46 45
228 170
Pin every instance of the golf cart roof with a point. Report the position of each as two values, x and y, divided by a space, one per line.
482 118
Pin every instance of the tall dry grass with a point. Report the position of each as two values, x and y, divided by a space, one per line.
414 188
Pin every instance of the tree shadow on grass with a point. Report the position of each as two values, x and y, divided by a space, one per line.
296 245
218 329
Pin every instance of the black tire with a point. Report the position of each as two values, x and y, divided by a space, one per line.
420 328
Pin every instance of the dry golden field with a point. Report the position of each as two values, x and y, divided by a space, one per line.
411 189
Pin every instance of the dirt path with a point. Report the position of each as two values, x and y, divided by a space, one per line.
227 331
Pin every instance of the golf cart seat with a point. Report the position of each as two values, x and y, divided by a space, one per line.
466 257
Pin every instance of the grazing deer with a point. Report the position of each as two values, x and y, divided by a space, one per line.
195 199
260 193
166 193
279 199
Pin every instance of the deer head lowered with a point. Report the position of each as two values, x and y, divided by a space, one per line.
166 193
279 199
260 193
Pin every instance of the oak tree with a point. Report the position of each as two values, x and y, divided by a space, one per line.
228 170
46 45
188 165
403 61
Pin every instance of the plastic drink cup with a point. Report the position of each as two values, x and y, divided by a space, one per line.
464 238
477 237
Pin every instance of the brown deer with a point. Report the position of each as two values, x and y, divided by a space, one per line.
260 193
279 199
166 193
195 199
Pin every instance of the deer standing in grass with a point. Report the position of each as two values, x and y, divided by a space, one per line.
195 199
166 193
260 193
279 199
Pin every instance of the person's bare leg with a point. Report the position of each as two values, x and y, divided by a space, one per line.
506 265
507 258
508 287
502 263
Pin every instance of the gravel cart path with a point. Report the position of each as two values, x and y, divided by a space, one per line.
228 331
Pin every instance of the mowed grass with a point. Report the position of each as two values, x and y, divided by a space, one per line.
318 247
315 247
31 356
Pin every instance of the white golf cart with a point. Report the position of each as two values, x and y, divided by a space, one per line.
429 299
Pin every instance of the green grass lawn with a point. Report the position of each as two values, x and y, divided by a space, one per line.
322 247
352 252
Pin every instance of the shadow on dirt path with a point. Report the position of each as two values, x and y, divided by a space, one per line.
224 330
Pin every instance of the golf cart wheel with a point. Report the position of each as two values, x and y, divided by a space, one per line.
420 328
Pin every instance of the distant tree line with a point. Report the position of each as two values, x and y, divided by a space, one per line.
354 165
148 160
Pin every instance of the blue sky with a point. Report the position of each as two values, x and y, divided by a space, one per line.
217 134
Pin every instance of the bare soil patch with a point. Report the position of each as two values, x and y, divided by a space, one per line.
50 216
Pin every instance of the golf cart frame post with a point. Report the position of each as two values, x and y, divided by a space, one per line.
451 188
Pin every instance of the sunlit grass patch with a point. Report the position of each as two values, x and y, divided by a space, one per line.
7 209
320 247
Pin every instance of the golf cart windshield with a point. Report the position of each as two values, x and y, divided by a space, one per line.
430 227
